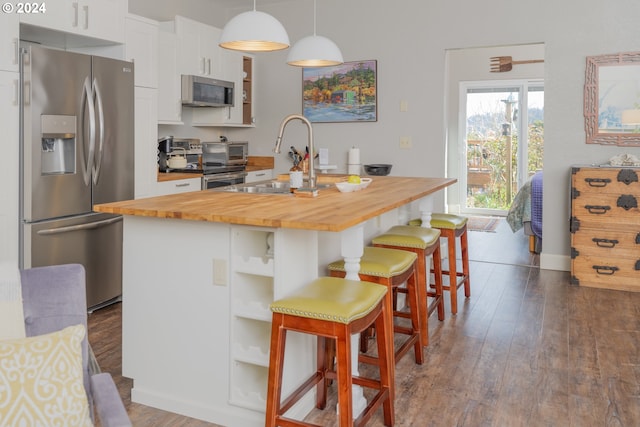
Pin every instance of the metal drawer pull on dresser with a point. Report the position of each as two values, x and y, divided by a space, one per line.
605 243
627 176
605 269
597 182
627 201
597 210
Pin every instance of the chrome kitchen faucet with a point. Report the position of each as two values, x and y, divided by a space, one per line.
312 172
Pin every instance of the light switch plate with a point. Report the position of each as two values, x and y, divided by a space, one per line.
405 142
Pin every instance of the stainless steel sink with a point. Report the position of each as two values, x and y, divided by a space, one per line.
262 187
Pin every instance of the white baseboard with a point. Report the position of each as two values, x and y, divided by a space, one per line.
555 262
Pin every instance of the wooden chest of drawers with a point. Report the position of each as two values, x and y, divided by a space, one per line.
605 227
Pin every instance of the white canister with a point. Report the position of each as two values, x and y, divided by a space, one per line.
295 179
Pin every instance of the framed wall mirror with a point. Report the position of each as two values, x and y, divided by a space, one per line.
612 99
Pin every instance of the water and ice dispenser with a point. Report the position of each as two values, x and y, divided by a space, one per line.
58 154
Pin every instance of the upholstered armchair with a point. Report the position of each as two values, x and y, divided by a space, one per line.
53 299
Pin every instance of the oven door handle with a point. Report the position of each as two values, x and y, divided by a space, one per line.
221 176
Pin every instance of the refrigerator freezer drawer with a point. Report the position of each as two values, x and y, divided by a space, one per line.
93 240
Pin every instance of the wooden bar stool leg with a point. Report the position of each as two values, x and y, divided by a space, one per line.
323 364
276 363
437 272
343 361
464 245
453 276
387 367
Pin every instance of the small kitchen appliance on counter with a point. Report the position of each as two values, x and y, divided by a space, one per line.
224 163
176 148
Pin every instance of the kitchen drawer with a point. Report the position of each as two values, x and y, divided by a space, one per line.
259 175
608 243
607 180
606 272
178 186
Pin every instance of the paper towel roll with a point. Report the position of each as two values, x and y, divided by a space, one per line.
354 156
353 169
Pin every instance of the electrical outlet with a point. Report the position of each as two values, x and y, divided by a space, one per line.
219 272
404 106
405 142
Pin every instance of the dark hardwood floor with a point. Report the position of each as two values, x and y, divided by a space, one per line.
527 349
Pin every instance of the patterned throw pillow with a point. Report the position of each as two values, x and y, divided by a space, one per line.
41 380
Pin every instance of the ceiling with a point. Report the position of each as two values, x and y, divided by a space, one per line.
165 10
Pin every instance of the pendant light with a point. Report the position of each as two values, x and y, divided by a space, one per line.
314 51
254 31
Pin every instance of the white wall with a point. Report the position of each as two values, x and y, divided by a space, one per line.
409 40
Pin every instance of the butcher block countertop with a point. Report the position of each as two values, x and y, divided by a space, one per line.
331 210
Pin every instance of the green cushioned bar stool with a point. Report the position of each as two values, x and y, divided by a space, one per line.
332 309
451 228
392 268
423 242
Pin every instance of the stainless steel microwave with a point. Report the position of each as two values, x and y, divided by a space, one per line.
205 92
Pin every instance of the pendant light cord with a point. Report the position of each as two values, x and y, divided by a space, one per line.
314 17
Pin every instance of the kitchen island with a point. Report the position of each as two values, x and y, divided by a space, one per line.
201 268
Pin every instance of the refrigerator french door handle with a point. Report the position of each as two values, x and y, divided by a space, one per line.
99 154
89 226
87 101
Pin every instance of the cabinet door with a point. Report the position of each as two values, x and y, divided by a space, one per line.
169 104
65 16
189 59
9 173
146 141
141 47
198 48
100 19
9 35
231 64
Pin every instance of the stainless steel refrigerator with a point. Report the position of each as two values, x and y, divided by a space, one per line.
76 150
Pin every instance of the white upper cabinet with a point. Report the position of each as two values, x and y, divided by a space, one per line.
141 47
98 19
169 103
199 52
9 35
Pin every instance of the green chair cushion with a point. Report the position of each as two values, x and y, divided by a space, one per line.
407 236
332 299
381 262
441 220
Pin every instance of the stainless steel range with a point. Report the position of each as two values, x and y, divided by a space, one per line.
221 163
224 163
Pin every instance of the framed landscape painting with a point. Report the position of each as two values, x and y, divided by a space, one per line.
342 93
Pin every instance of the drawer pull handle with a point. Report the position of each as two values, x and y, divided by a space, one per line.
626 202
597 182
605 269
597 210
638 239
637 266
605 243
627 176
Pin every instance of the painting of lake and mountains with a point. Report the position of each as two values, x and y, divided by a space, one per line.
342 93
